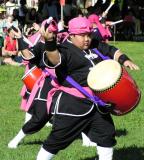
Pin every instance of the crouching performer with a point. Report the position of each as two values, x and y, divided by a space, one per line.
36 105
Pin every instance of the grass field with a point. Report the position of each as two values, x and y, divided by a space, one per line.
130 128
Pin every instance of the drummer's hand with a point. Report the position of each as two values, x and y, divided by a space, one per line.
48 35
131 65
104 14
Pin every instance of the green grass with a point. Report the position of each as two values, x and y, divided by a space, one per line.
130 130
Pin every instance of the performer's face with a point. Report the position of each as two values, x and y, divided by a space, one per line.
81 41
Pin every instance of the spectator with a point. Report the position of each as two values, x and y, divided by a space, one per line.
10 49
40 6
1 24
31 17
10 6
142 20
50 10
7 23
16 15
129 25
67 9
22 13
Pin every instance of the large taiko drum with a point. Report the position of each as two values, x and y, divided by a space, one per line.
31 77
112 84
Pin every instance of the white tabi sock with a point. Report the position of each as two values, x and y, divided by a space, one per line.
27 117
44 155
105 153
48 124
16 140
86 141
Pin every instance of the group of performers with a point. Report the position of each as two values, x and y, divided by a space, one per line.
54 95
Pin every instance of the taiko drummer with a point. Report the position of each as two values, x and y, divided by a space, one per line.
36 107
74 113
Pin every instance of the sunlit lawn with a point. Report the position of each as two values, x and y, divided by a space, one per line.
130 128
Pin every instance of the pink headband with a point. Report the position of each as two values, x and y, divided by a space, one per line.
79 25
51 24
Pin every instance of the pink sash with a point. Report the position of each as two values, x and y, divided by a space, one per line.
71 91
24 89
39 84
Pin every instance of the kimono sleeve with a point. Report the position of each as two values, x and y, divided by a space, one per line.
107 49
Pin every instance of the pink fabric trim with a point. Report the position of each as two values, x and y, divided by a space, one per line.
24 89
105 33
34 38
62 36
24 100
108 32
39 84
72 91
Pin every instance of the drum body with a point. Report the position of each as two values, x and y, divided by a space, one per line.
114 85
31 77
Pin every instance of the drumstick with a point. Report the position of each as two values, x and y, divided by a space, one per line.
28 41
116 22
37 39
106 11
109 7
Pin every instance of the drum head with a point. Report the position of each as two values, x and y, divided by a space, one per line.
104 75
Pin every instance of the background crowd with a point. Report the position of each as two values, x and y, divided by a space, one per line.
22 16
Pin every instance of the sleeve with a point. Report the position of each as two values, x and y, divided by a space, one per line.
107 50
63 57
36 51
36 54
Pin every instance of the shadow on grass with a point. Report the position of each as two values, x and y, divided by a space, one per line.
130 153
33 142
121 132
93 158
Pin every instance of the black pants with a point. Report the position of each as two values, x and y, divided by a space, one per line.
39 117
38 110
66 129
